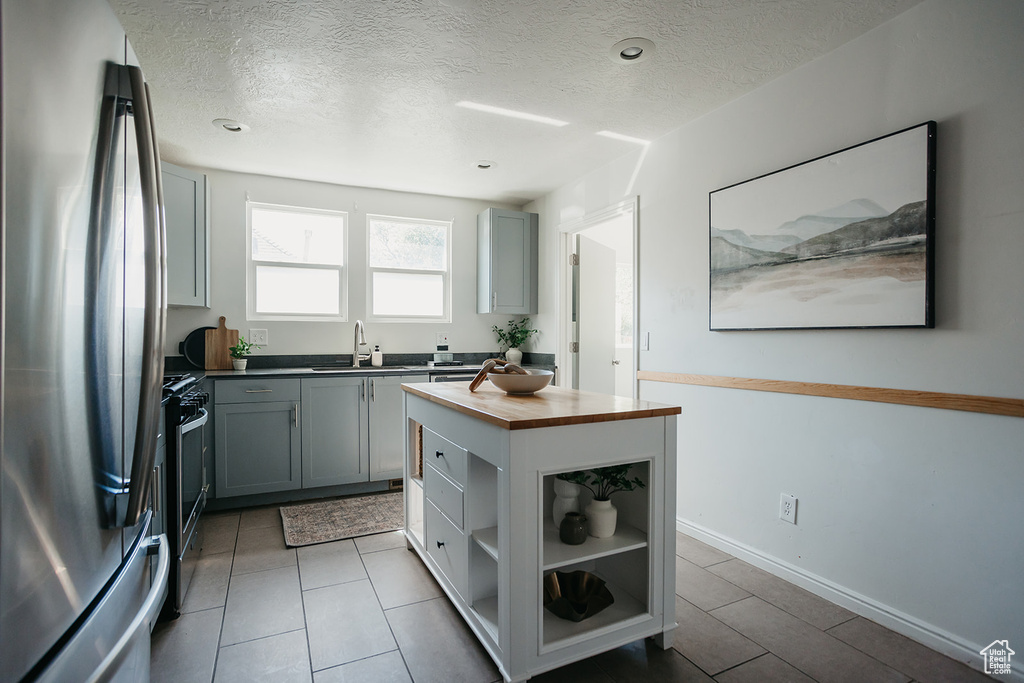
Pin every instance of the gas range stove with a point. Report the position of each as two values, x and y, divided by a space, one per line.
177 384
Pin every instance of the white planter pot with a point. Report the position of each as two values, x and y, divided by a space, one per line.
514 356
601 518
239 363
567 499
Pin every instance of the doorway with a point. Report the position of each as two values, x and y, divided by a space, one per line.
599 309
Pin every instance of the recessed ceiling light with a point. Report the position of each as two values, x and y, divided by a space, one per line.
631 50
231 125
510 112
624 138
484 164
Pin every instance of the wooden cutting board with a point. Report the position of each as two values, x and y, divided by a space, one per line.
218 341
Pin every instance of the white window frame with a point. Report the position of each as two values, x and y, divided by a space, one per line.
251 264
446 275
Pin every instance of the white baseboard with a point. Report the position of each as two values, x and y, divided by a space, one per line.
935 638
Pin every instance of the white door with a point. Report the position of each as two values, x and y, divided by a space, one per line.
595 316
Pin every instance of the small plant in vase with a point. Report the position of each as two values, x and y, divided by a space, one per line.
603 482
513 337
239 353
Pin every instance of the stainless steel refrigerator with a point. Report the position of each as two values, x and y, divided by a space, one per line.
81 577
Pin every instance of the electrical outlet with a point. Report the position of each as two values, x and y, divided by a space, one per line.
442 341
787 508
258 337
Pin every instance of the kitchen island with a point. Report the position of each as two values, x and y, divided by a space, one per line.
479 473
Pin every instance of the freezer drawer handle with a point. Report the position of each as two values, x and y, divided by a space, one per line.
144 619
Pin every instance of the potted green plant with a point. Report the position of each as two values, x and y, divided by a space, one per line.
513 337
239 353
602 482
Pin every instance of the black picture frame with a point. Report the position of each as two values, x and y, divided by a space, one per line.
844 240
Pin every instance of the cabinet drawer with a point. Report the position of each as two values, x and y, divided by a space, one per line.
443 493
256 390
447 547
445 456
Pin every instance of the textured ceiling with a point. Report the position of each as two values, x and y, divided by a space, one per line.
363 92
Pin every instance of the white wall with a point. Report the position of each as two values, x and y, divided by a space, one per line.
468 331
912 516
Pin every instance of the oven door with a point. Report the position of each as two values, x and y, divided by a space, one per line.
192 485
190 498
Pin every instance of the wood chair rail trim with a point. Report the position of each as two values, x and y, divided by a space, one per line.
1012 407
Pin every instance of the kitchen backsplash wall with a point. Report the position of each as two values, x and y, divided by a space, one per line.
467 332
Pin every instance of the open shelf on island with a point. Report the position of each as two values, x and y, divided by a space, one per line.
625 607
487 539
487 611
558 554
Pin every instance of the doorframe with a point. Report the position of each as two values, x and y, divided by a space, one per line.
567 232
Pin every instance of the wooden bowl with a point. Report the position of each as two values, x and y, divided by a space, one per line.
521 384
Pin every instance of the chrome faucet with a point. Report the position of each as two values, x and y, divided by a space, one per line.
359 340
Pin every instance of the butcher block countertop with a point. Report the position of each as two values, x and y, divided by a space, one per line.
549 407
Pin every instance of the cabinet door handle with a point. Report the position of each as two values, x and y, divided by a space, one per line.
440 544
494 301
259 391
296 414
373 395
438 454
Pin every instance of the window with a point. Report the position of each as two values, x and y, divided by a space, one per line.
296 264
408 272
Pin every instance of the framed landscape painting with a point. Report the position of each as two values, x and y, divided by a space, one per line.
844 240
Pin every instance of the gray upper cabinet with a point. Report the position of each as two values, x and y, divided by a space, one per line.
506 261
188 236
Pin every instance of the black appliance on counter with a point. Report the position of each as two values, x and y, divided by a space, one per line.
186 420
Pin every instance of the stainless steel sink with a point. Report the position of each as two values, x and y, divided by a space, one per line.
361 369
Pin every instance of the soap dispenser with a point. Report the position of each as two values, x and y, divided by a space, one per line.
376 358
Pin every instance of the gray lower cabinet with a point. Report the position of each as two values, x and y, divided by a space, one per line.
387 433
280 434
258 449
334 434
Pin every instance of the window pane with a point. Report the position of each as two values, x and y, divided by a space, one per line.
294 236
408 294
297 290
401 244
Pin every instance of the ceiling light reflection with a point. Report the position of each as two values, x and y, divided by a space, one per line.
511 113
624 138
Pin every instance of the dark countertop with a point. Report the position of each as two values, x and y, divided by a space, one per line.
291 365
395 364
342 371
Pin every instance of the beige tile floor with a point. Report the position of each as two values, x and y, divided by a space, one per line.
366 610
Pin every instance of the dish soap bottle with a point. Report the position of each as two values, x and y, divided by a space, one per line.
376 358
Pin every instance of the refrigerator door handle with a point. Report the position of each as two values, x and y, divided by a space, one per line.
156 286
144 618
